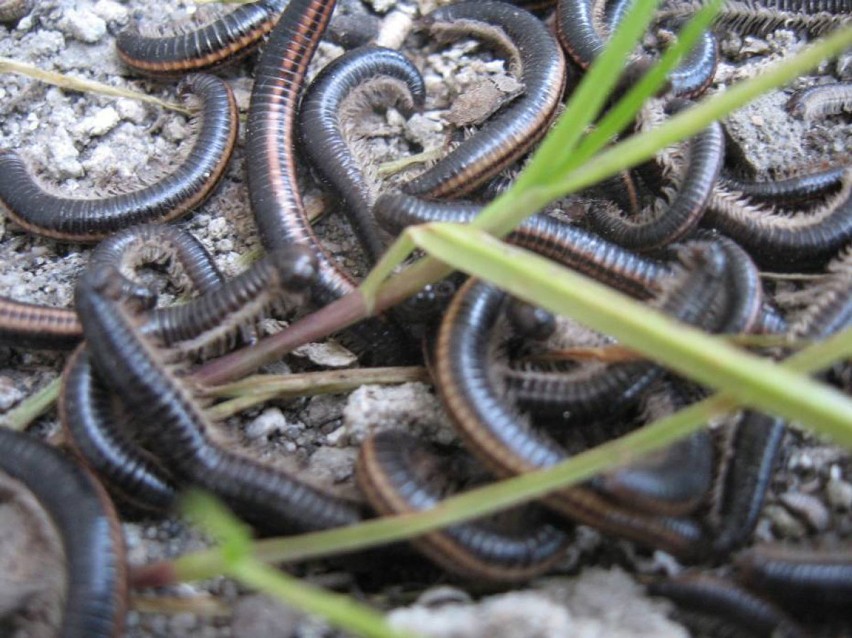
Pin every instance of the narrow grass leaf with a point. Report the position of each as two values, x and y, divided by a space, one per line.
232 535
710 360
589 98
338 610
624 112
341 611
687 123
32 407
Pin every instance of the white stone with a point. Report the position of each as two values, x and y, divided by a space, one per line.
100 123
84 25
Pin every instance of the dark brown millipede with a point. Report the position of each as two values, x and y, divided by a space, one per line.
96 595
89 220
229 38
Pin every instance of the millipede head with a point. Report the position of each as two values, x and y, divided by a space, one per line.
296 265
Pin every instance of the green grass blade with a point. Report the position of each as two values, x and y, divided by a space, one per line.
398 252
339 610
623 113
753 381
32 407
642 147
586 102
238 562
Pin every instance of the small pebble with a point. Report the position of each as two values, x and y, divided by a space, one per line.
324 409
83 25
269 422
443 595
477 104
785 524
10 394
102 157
410 406
394 29
110 11
838 492
218 228
100 123
262 617
754 46
176 131
44 43
382 6
183 624
354 30
808 507
327 354
131 110
64 155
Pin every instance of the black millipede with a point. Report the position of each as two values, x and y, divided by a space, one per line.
744 298
496 432
211 322
819 101
805 240
93 419
831 310
529 321
791 190
585 391
88 220
672 481
581 27
365 78
729 605
94 424
397 473
27 325
692 77
807 578
101 433
596 389
535 58
274 192
175 428
809 6
745 308
770 321
271 136
564 243
684 211
229 38
757 18
96 593
189 264
756 445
